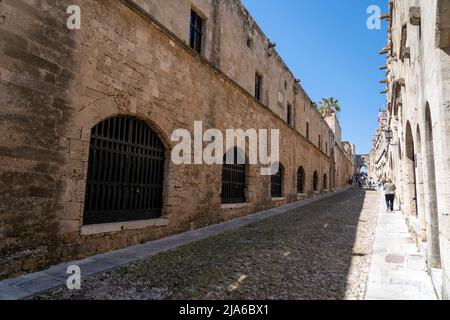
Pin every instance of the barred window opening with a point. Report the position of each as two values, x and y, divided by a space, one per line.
277 183
316 182
233 180
301 181
125 172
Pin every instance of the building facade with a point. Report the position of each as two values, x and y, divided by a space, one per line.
88 118
411 144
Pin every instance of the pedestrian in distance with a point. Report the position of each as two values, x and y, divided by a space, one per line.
389 190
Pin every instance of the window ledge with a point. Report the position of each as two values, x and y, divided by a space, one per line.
302 195
121 226
278 199
234 206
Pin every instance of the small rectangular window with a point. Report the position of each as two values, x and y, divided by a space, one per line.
258 86
289 115
196 32
403 48
307 130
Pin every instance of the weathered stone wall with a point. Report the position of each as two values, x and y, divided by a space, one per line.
419 117
37 68
344 167
228 28
56 85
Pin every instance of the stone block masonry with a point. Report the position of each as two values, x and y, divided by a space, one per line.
56 85
417 115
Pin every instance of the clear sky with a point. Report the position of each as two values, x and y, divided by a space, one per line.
327 45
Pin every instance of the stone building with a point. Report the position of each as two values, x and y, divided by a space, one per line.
377 157
350 149
411 145
87 118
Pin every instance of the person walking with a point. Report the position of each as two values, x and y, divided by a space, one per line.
389 190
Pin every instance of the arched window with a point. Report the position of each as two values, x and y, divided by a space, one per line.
301 180
233 179
125 172
316 181
277 183
325 182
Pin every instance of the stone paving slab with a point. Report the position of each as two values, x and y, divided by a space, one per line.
32 284
398 270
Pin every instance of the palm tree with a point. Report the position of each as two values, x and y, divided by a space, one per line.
329 106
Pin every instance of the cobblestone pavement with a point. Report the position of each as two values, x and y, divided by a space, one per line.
320 251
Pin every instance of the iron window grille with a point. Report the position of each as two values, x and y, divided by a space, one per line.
125 172
277 184
316 182
233 181
301 181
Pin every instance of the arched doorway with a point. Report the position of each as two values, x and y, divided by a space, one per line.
125 172
399 176
315 182
363 170
419 186
432 216
301 180
410 174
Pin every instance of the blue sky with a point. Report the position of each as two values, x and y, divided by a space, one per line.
326 43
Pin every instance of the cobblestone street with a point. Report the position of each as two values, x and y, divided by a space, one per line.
320 251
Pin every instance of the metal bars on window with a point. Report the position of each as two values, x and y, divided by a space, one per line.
277 184
301 181
316 182
233 181
125 172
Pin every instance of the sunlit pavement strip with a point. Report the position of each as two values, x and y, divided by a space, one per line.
31 284
397 270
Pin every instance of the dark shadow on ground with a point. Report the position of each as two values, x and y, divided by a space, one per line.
303 254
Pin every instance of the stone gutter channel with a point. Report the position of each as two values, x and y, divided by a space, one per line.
31 284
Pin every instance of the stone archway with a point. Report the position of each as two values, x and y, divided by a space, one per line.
410 174
363 169
420 186
432 215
